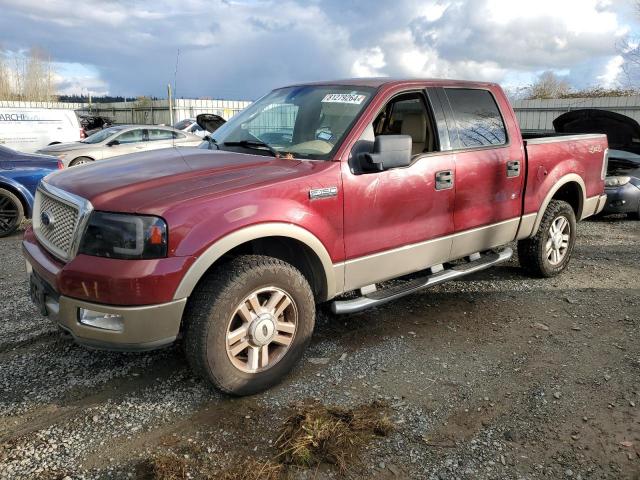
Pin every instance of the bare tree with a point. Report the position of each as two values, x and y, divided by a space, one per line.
30 78
548 85
629 49
5 80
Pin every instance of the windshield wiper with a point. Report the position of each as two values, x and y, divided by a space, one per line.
212 141
253 144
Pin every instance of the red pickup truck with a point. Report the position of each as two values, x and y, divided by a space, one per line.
313 191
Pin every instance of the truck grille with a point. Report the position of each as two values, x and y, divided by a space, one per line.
56 220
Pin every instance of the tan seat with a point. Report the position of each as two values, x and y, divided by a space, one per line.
415 125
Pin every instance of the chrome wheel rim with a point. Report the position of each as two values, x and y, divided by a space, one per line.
261 330
81 162
8 214
557 244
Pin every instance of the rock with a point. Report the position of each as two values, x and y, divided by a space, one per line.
319 360
343 356
540 326
557 395
568 472
607 377
570 300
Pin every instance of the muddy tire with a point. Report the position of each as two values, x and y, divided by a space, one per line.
11 212
248 323
547 254
80 161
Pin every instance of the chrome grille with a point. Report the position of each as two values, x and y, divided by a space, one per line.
58 218
59 233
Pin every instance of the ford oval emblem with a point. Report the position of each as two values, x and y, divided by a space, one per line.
46 218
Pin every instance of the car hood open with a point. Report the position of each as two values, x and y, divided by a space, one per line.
623 133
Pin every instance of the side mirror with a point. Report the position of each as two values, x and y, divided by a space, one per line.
389 151
112 143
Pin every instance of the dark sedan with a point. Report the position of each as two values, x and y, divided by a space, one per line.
20 174
622 184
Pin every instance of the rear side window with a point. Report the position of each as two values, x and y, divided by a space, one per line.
477 117
158 134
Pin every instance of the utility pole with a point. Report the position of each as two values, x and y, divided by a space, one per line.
170 104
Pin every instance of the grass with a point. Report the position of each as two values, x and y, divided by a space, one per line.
163 467
316 434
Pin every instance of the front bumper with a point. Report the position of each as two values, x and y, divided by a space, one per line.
141 327
624 199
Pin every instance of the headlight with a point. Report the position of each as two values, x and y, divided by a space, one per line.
616 181
116 235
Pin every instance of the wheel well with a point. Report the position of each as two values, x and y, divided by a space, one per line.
23 201
288 250
572 194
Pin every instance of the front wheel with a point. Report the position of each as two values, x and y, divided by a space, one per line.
248 323
547 253
81 161
11 212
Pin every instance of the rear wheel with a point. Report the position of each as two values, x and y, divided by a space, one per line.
81 161
548 253
248 323
11 212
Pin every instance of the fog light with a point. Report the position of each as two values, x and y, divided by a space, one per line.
105 321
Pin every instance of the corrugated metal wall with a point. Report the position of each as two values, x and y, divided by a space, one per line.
146 113
538 115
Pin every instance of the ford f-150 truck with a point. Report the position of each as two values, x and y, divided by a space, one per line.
312 192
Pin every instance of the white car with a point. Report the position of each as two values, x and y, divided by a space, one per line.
120 140
29 129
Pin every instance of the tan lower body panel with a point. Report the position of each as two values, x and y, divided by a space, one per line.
593 205
394 263
145 327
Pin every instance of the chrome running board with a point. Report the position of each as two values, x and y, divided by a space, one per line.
380 297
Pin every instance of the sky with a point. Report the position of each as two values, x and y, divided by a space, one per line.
240 49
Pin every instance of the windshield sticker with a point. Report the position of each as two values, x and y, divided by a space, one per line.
351 98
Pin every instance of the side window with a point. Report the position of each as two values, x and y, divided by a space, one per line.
477 117
132 136
408 115
176 135
156 134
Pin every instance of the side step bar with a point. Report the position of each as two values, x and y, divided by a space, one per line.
380 297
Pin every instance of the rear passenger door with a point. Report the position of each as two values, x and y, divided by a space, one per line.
159 138
489 171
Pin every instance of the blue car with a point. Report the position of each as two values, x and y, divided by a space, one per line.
20 174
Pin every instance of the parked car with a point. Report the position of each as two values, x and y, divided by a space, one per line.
29 129
622 183
202 125
361 181
94 123
120 140
20 174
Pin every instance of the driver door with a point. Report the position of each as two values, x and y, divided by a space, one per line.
397 221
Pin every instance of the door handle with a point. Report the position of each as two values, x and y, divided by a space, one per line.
513 168
444 180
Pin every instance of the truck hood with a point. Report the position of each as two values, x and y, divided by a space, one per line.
151 182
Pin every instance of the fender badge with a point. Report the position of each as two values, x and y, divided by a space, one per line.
323 192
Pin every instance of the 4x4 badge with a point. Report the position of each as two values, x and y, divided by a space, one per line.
323 192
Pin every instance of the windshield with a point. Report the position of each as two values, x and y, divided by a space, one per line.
101 135
308 121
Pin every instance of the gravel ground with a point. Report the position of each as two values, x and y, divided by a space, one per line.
494 376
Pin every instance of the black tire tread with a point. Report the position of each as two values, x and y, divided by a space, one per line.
212 288
14 198
530 250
